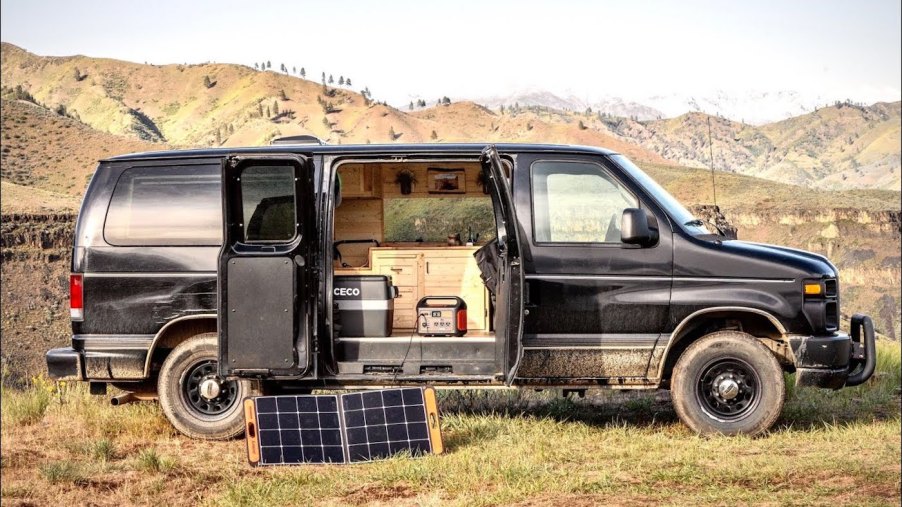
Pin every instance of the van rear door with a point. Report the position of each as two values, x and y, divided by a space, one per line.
265 304
509 298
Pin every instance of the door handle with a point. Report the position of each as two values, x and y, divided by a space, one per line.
299 260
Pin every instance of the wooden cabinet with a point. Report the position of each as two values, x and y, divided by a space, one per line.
455 273
424 272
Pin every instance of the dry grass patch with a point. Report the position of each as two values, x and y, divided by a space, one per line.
504 447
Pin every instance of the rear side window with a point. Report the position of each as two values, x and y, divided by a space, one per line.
166 206
577 202
268 205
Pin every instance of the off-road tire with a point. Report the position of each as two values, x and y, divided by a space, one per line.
185 417
724 353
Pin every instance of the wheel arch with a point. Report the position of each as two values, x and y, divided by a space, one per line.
177 331
753 321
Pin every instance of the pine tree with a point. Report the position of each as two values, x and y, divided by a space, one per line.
268 113
446 100
326 122
410 106
348 82
294 70
207 82
303 72
218 137
331 81
391 133
502 108
433 135
260 109
582 126
275 107
231 129
256 66
268 64
324 78
341 80
282 95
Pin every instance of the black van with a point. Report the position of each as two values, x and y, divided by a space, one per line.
205 276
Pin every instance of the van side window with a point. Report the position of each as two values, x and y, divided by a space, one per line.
166 206
268 203
577 202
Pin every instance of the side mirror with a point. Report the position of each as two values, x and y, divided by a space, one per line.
635 228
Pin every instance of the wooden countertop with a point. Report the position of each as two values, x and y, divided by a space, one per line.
423 246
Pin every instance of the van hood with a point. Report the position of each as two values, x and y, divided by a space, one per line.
745 259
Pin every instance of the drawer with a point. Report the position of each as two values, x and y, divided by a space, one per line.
407 297
402 275
405 319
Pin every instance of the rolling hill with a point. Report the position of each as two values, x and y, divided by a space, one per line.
841 146
838 147
54 154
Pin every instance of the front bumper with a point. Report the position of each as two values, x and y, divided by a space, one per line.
837 361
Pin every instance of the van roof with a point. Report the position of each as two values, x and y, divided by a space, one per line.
360 149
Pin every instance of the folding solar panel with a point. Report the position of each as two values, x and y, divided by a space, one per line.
347 428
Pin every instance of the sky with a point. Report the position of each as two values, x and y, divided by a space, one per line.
471 49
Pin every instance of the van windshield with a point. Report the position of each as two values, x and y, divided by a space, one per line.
671 206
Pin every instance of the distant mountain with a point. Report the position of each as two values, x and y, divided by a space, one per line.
542 98
234 105
841 146
753 107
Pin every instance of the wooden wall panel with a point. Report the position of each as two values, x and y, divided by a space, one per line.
358 219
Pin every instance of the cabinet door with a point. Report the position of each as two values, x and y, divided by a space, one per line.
404 272
455 273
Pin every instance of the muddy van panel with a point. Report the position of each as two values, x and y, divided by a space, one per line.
208 292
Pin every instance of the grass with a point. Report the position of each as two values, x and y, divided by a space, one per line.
150 461
503 447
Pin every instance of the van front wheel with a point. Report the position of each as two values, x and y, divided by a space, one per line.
728 383
198 402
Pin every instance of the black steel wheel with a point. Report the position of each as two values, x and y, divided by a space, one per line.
202 374
728 383
195 399
728 389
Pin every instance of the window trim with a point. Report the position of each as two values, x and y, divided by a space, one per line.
532 202
216 173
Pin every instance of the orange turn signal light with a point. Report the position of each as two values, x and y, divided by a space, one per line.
812 289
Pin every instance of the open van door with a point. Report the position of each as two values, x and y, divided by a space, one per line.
509 297
265 300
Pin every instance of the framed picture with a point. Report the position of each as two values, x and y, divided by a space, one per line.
446 181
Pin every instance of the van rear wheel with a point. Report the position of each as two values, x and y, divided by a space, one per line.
728 383
198 402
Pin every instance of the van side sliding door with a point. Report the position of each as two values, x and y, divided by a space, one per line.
265 304
509 298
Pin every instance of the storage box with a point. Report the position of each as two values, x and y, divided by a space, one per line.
366 304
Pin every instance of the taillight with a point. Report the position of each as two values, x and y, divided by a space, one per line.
462 320
76 297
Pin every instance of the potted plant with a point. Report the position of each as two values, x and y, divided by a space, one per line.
405 178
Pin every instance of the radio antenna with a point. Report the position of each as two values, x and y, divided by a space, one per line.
711 158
